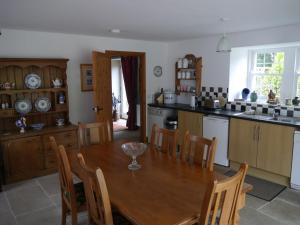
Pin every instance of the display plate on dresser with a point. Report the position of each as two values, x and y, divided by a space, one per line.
33 81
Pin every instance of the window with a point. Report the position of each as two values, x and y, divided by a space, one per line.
274 69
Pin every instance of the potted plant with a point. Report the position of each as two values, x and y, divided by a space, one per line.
115 102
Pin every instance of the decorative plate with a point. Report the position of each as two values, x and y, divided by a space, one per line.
33 81
23 106
42 104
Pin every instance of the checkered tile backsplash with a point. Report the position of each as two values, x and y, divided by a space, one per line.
283 110
212 92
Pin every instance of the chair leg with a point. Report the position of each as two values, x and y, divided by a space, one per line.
64 211
74 217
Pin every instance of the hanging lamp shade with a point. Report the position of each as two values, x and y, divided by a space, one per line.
223 44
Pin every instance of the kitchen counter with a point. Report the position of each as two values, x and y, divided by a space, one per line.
282 120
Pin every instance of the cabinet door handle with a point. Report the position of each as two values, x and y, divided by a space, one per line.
258 133
254 133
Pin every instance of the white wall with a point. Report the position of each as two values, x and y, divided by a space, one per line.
238 72
216 65
78 48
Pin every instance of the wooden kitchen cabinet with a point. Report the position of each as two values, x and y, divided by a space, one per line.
189 121
242 141
275 146
23 158
262 145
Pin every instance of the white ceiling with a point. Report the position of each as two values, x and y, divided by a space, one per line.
159 20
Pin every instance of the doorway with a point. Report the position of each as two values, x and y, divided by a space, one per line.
120 99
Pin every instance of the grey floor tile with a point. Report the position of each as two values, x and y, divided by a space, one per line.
253 217
56 199
50 183
291 195
47 216
4 207
27 198
21 184
221 169
82 219
253 202
7 219
282 211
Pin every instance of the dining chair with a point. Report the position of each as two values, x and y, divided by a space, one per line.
98 202
164 140
221 200
199 150
72 195
94 133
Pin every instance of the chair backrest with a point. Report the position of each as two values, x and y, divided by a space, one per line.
164 140
65 175
199 150
221 200
96 195
94 133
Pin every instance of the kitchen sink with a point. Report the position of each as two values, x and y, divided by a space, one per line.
256 116
253 116
282 119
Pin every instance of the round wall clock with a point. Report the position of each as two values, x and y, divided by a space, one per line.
157 71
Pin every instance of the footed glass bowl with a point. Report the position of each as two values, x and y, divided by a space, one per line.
134 149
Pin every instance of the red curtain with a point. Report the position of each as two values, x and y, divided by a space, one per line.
130 74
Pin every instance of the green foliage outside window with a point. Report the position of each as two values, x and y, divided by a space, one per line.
268 71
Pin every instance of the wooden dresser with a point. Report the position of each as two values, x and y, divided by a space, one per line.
27 155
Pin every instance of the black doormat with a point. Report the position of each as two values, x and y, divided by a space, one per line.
262 189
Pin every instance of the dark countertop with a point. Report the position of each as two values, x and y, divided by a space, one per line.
282 120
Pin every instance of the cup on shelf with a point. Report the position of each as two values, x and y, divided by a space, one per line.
188 74
60 122
179 75
185 63
179 63
183 75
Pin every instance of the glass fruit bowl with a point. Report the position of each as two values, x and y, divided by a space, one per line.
134 149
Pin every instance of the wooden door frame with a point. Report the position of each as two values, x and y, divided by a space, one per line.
142 81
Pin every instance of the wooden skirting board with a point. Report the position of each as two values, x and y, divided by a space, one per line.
263 174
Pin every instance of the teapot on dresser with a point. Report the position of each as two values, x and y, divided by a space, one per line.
57 83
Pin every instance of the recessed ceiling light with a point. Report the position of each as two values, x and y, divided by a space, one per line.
115 31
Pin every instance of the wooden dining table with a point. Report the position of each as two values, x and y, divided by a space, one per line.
164 191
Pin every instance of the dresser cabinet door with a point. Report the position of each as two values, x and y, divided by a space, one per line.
23 158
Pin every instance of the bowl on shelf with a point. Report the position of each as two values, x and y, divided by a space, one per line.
134 149
37 126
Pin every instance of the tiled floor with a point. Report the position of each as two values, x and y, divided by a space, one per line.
37 202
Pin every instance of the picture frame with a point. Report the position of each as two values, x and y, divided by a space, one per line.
86 75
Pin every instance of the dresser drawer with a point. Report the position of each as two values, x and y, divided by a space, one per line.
68 139
50 161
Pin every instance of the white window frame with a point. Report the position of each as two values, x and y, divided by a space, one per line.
289 76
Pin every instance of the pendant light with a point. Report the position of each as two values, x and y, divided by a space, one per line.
223 44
